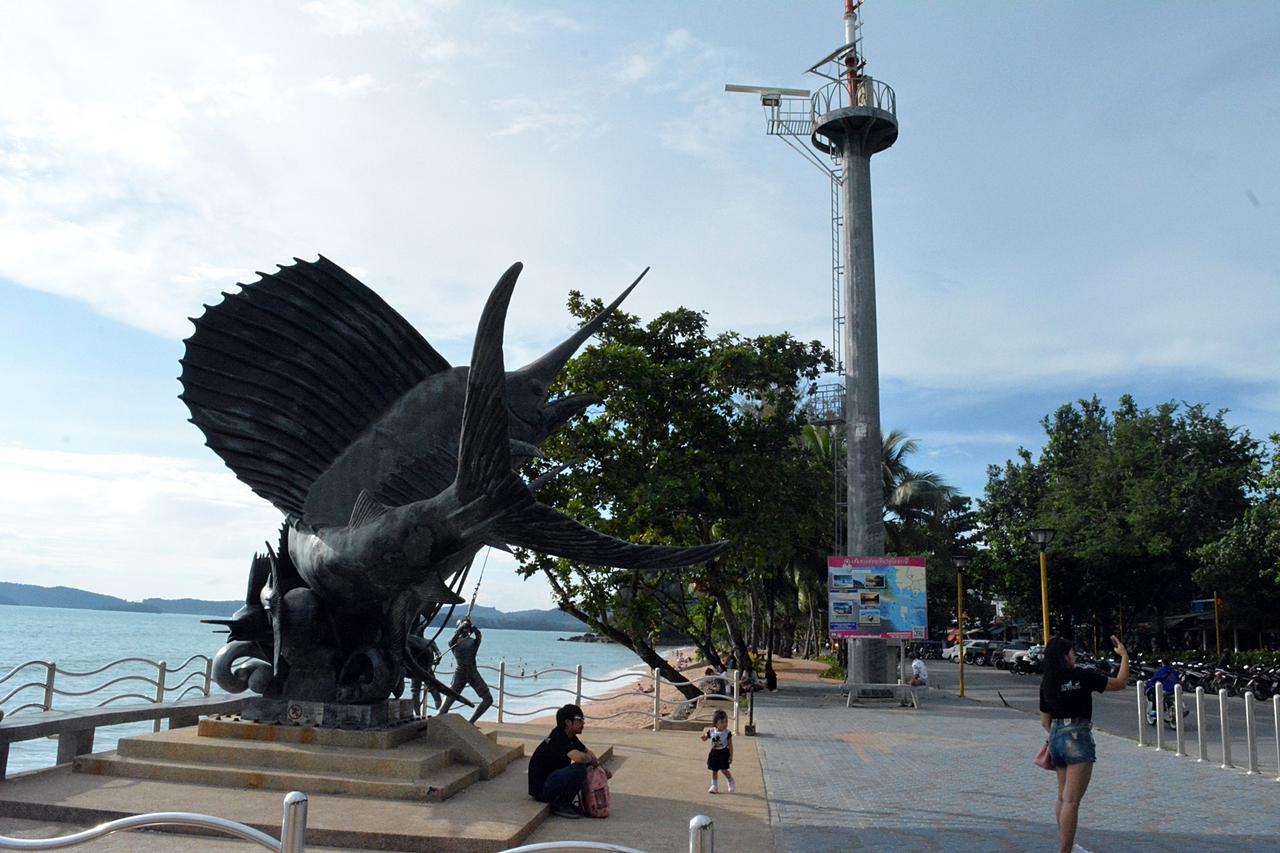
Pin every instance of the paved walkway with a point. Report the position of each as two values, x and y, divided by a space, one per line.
956 775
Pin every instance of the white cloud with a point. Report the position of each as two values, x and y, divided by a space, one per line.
128 524
633 69
356 17
350 87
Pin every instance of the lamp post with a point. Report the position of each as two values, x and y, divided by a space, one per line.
1042 536
960 561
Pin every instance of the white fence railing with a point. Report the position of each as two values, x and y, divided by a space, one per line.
293 829
1175 706
731 693
160 688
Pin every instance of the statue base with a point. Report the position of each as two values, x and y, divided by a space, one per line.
328 715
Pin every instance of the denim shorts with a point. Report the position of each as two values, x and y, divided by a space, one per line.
1071 742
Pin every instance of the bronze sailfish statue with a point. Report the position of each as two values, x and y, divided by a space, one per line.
391 467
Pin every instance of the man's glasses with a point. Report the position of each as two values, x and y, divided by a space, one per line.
578 719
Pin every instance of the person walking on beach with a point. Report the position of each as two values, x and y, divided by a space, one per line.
721 754
1066 712
559 764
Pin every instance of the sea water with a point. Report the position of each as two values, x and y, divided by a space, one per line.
84 640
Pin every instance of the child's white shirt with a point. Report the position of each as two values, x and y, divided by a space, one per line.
719 739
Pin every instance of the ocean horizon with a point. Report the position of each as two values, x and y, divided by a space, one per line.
84 640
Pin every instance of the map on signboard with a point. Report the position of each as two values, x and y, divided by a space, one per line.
877 597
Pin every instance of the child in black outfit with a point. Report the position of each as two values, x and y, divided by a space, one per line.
721 754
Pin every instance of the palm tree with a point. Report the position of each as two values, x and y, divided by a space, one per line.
912 499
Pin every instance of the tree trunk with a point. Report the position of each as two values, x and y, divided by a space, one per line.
642 649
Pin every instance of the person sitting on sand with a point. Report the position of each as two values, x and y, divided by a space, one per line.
711 684
559 764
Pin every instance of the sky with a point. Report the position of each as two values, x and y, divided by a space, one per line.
1084 199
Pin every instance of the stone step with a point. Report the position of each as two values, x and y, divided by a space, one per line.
407 762
434 786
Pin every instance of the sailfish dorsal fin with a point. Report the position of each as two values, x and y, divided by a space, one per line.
283 375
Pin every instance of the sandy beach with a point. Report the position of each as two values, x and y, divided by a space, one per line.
631 706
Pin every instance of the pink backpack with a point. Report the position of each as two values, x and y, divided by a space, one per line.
595 793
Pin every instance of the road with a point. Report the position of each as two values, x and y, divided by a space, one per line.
1117 713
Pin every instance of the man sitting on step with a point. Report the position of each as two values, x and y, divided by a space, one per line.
559 764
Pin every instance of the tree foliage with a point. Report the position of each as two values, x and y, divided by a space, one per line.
1132 495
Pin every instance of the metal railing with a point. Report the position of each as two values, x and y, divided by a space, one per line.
857 92
657 682
161 687
293 829
1160 705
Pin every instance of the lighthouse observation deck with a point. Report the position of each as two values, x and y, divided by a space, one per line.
855 105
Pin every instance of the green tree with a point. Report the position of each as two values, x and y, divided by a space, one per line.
1132 496
697 440
1243 565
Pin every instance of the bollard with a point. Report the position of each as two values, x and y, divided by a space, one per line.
1181 743
1275 706
1157 702
208 676
1202 745
293 827
577 688
657 703
1226 728
1250 734
1142 716
702 834
502 688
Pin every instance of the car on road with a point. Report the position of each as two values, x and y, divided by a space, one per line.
952 652
1013 650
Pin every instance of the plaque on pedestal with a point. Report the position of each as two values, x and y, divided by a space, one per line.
329 715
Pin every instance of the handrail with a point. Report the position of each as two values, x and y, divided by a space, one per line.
194 680
570 847
857 92
292 829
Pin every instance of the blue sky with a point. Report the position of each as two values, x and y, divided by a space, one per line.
1083 199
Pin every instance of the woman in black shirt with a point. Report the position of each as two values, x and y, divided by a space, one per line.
1066 712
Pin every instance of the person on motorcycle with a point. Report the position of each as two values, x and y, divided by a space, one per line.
1167 677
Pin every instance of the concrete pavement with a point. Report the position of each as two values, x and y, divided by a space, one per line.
956 775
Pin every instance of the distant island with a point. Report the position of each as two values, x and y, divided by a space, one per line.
30 595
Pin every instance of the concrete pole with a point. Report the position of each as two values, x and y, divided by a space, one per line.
865 526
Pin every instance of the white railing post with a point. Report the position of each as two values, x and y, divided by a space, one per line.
502 688
577 688
161 668
50 669
1275 707
293 826
736 709
702 834
657 702
1202 744
1142 716
208 676
1250 733
1181 742
1225 725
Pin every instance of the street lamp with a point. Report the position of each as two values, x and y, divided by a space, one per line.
960 561
1041 537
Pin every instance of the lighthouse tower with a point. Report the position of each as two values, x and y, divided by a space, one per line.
854 117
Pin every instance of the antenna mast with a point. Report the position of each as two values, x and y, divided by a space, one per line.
848 119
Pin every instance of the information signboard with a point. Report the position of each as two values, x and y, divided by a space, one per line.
877 597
